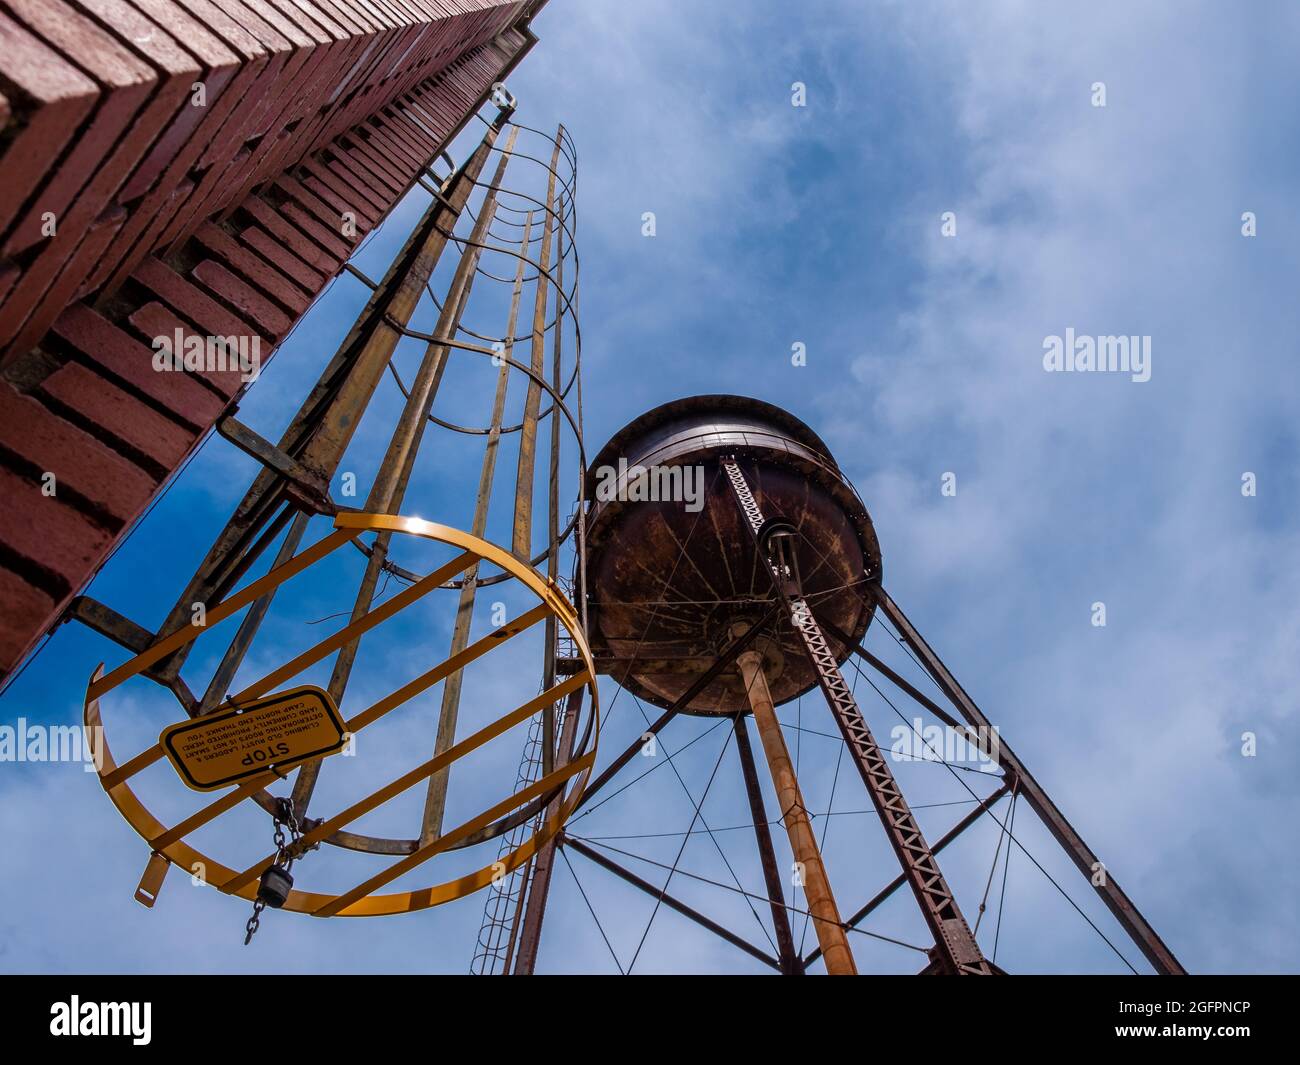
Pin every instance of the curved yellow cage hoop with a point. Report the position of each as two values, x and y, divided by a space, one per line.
168 843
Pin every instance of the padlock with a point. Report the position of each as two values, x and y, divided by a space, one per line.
275 886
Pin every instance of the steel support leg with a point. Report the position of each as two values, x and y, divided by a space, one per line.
791 964
1119 904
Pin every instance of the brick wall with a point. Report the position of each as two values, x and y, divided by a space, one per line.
225 219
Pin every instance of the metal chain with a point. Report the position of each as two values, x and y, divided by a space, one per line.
254 921
285 855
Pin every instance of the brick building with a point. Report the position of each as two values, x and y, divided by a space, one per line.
201 166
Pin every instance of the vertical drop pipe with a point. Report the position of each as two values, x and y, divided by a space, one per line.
831 934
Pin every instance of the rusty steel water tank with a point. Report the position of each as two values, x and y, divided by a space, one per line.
668 578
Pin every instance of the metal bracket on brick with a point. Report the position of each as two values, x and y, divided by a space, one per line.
135 638
306 486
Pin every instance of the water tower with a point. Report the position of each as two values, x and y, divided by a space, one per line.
730 567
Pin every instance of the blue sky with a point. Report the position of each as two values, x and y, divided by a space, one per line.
820 225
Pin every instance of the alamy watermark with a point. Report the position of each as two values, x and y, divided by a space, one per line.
1075 353
919 742
651 484
208 354
27 742
77 1018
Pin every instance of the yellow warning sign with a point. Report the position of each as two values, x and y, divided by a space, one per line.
231 745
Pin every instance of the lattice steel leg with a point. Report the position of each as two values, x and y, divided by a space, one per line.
955 948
